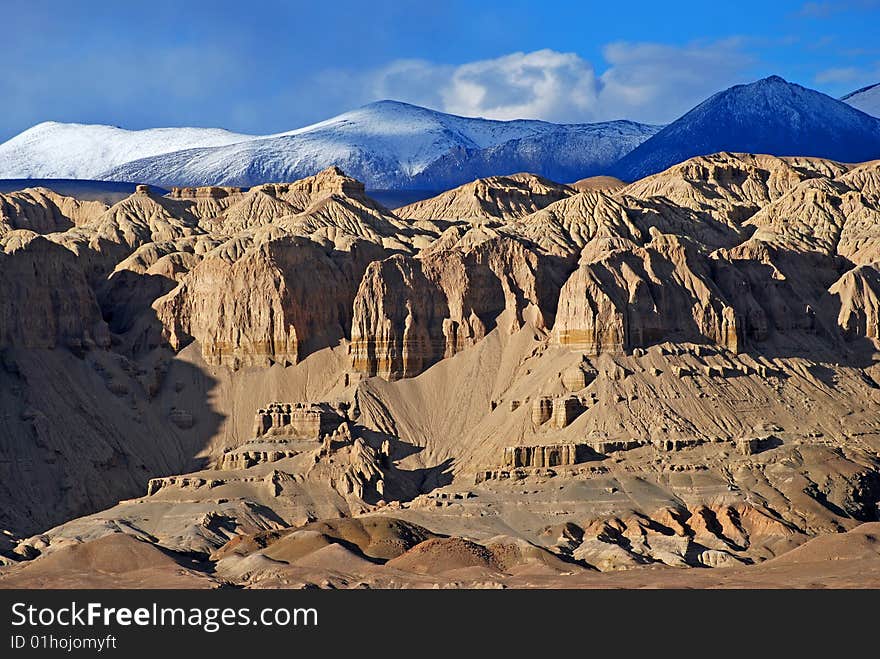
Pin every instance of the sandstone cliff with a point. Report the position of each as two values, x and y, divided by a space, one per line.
46 300
858 296
411 312
623 298
684 370
265 307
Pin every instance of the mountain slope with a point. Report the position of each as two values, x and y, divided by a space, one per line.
560 155
495 197
82 151
866 99
386 144
392 145
769 116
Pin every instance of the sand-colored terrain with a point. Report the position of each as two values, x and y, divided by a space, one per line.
671 383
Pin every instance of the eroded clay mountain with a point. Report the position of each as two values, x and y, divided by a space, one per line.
514 383
494 198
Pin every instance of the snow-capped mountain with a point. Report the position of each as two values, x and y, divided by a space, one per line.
768 116
386 144
558 155
393 145
866 99
84 151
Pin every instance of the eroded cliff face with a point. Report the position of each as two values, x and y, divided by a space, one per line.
857 294
47 301
264 307
411 312
726 249
626 296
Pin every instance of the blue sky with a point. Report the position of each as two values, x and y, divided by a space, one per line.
263 67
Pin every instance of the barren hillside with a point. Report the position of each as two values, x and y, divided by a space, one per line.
516 382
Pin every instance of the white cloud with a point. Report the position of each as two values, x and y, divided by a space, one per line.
410 77
641 81
544 84
850 75
820 10
842 74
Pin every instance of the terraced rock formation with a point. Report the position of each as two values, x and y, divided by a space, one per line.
517 382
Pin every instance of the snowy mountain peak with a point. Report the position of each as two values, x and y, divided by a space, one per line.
774 86
391 104
769 80
770 116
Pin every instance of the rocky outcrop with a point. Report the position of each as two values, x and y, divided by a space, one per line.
329 206
857 295
265 307
355 470
621 298
777 292
149 257
207 203
206 192
605 184
560 411
557 455
709 198
577 378
142 218
302 420
303 193
809 217
731 185
43 211
411 312
565 410
565 227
